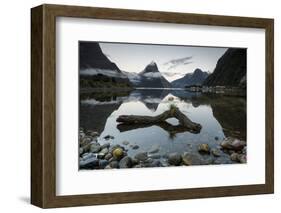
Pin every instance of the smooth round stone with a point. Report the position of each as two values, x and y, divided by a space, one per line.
81 151
141 156
126 162
108 156
95 147
113 147
117 153
87 155
155 163
135 147
114 164
174 159
204 148
187 159
233 144
85 140
104 151
242 158
90 163
215 152
103 164
234 156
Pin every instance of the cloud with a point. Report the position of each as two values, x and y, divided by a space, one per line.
177 62
172 74
153 75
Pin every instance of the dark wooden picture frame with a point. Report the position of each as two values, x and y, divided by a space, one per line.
43 105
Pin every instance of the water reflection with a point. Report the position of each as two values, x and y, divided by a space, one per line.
219 116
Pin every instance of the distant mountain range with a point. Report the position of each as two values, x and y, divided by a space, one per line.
97 70
195 78
230 69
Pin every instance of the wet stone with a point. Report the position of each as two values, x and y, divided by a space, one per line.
103 164
90 163
204 148
141 156
174 159
126 162
215 152
114 164
95 147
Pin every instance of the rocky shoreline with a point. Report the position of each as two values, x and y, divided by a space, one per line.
93 155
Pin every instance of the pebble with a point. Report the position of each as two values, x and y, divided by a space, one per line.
117 153
155 163
114 164
90 163
233 144
141 156
104 151
95 147
87 155
186 159
174 159
108 156
126 162
107 137
103 164
135 147
216 152
204 148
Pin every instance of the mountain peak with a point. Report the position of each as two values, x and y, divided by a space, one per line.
195 78
152 67
152 63
197 70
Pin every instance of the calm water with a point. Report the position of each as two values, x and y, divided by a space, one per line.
219 116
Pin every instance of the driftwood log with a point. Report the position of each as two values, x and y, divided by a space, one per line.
129 122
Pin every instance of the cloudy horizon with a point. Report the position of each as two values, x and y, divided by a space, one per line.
173 61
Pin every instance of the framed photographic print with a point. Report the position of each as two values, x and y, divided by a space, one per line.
136 106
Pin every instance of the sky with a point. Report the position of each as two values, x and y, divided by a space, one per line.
172 61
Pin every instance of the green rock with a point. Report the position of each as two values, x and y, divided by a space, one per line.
118 153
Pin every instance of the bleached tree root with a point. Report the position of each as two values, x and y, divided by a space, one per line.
138 121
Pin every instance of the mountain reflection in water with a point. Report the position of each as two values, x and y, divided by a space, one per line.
220 117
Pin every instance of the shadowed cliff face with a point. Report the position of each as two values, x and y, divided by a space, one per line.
96 70
91 56
230 69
